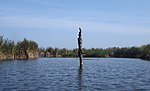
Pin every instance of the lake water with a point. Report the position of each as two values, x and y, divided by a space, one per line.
64 74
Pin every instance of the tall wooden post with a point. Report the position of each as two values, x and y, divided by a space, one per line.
80 47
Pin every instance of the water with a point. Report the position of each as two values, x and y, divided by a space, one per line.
64 74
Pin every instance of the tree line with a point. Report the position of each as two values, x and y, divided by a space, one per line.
25 49
142 52
28 49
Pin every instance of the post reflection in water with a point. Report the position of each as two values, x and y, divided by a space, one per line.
80 80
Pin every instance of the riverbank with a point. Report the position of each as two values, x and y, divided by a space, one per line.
6 57
37 57
29 56
27 49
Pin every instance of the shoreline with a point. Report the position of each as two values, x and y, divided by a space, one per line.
85 58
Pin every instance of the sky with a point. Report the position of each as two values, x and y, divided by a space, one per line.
55 23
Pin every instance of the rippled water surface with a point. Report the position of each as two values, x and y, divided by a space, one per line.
64 74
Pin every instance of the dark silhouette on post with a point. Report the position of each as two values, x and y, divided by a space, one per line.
80 47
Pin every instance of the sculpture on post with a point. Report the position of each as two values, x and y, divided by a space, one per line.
80 46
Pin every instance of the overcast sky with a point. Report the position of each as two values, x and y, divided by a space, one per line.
55 23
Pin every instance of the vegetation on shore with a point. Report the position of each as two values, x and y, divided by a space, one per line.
28 49
22 50
142 52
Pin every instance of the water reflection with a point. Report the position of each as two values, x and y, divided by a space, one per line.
80 80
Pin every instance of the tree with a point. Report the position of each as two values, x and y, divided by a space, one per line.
1 42
25 47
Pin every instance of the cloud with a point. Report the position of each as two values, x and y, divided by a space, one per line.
58 16
62 23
